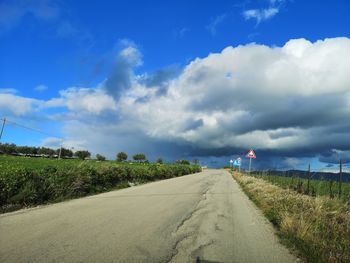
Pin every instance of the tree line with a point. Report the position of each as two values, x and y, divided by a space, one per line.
13 149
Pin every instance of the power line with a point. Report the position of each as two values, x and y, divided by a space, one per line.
29 128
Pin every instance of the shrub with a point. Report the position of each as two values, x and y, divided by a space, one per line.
100 157
122 156
52 180
82 154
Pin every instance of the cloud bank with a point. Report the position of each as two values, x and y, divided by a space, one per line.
285 102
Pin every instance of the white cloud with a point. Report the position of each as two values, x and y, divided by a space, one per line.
84 100
273 99
8 91
293 99
55 143
215 22
11 12
11 104
40 88
260 14
273 2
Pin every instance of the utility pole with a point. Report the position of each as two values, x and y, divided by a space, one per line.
340 177
2 128
60 152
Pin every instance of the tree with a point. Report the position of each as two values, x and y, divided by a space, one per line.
82 154
46 151
65 152
139 157
159 160
182 162
8 148
100 157
122 156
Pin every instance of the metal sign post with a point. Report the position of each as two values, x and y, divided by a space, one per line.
250 164
251 155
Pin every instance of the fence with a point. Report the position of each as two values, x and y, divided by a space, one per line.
333 182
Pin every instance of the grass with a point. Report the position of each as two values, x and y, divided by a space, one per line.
316 187
26 181
317 227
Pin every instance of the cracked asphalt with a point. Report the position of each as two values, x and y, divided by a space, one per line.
203 217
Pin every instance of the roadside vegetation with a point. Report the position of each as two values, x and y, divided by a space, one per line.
312 187
317 227
27 181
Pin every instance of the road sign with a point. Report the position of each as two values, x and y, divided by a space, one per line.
251 154
239 160
231 161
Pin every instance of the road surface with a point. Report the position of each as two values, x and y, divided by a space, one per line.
203 217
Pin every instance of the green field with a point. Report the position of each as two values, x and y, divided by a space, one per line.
316 187
26 181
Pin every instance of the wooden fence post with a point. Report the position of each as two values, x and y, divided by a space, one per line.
340 177
308 179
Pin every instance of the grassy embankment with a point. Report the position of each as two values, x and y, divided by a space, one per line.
26 181
316 187
317 227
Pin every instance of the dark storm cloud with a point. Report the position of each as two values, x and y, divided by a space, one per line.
290 104
193 124
120 78
122 73
160 79
334 156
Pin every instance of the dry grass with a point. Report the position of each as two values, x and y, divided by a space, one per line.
318 227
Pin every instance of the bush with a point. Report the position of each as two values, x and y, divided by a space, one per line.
182 162
44 183
82 154
100 157
140 157
121 157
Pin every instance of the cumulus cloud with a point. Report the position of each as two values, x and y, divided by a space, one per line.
283 99
13 105
287 103
83 100
122 75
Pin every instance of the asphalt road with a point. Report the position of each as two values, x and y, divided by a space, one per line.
203 217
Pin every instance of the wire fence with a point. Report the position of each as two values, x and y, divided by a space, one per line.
333 182
9 127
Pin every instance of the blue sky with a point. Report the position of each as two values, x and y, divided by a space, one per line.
60 59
